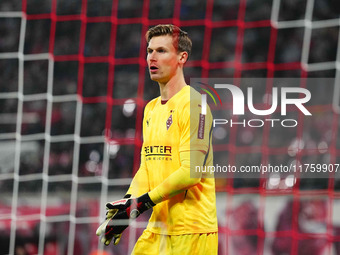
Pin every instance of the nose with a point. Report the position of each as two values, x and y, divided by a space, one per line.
151 56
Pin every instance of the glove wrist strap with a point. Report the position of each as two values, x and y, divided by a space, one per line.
145 203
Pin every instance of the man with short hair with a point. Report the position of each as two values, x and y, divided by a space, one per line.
177 136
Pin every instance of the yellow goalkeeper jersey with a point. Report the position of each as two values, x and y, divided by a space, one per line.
169 129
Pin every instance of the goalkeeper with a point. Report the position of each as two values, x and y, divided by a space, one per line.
176 135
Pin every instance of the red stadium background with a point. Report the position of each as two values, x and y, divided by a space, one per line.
72 91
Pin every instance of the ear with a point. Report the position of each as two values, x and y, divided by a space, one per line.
183 57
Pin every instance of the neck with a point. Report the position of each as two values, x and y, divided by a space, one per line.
171 87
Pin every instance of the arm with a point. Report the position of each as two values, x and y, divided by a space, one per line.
179 180
140 182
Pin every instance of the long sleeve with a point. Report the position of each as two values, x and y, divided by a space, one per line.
179 180
140 182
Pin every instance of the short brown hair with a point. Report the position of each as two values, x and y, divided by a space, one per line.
181 40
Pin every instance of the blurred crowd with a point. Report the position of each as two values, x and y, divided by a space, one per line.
80 90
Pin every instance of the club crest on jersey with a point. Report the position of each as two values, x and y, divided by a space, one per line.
169 122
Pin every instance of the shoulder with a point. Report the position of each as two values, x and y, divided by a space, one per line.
193 104
195 96
151 104
190 102
189 96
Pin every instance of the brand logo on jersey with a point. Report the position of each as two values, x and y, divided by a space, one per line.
148 122
158 152
169 122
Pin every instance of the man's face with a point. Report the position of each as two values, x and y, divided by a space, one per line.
162 58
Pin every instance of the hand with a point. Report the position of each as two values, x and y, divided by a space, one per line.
118 214
132 207
109 229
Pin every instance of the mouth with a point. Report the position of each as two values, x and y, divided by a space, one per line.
153 69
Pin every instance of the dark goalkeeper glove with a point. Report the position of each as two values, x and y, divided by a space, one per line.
119 212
